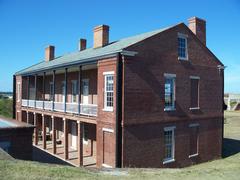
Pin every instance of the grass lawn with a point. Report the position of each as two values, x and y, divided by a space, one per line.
226 168
6 107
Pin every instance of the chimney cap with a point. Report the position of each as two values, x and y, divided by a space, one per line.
102 26
194 18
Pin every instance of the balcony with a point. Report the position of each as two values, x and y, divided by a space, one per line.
84 109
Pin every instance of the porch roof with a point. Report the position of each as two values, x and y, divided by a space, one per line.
89 55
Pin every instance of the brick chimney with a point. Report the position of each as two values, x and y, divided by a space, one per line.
198 27
82 44
49 53
100 36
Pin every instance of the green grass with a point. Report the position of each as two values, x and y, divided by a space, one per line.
226 168
6 107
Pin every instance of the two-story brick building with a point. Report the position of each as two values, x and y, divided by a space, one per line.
150 100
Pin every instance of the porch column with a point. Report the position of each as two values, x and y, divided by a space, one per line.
36 129
28 85
44 131
35 90
65 121
53 89
44 74
80 142
65 86
54 135
79 88
27 117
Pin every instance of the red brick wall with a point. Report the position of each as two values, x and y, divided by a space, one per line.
144 115
106 119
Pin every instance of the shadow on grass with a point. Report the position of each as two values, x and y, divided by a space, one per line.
44 157
230 147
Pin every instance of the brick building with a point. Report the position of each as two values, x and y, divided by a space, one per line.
150 100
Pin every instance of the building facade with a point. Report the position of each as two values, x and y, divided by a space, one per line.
150 100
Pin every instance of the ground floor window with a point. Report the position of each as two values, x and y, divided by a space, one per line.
193 145
169 144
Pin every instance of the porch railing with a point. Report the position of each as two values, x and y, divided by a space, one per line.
85 109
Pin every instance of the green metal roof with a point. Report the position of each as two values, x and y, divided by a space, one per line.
90 54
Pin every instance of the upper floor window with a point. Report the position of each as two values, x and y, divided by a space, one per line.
108 90
74 91
182 47
169 144
18 91
194 92
169 92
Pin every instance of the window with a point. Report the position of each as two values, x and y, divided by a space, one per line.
18 91
169 145
51 91
108 91
169 92
182 47
194 92
193 141
74 91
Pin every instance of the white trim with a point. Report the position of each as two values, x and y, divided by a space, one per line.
193 155
108 73
168 75
106 166
182 35
170 109
193 125
166 161
129 53
108 109
169 128
108 130
194 108
194 77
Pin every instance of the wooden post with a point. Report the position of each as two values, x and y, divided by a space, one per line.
79 88
27 117
44 131
65 138
28 85
53 90
54 135
36 129
44 75
80 143
35 90
66 88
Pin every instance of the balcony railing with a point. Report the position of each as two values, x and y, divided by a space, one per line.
84 109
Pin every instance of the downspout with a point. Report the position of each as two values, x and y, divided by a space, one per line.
14 98
119 111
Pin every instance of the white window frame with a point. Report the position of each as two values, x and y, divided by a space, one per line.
18 91
74 85
198 107
170 76
172 158
107 74
184 36
193 126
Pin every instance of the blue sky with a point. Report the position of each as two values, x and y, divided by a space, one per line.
27 27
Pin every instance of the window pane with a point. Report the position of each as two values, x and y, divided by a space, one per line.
168 144
182 47
169 93
109 91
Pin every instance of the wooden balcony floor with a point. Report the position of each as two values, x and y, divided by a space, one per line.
88 161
